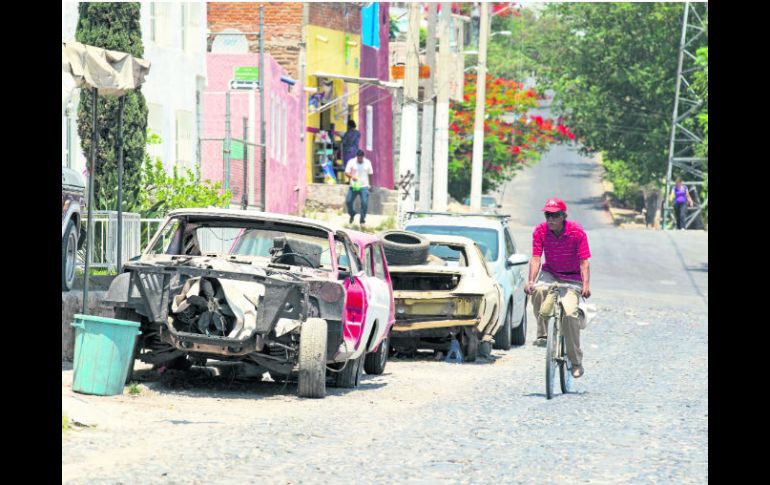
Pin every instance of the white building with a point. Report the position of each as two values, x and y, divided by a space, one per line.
173 34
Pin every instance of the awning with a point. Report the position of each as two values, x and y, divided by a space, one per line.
359 80
111 72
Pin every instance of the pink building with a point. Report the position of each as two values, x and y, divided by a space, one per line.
285 184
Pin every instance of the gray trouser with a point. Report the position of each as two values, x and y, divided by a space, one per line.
574 319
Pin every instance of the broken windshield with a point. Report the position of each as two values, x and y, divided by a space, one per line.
292 244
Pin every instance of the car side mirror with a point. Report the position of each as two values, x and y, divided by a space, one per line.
516 260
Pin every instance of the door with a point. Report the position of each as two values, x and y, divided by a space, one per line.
354 314
381 294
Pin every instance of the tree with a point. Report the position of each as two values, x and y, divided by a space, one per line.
512 140
613 67
113 26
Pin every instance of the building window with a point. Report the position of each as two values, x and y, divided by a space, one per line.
285 126
191 34
154 126
370 128
184 138
159 23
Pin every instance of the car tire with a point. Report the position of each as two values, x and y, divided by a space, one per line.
69 251
519 334
312 358
404 247
374 363
130 315
350 375
503 335
470 345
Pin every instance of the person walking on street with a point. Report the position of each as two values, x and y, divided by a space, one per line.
566 250
358 171
350 141
681 196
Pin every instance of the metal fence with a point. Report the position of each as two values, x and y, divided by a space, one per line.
137 233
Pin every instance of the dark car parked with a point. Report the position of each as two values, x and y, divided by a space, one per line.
73 204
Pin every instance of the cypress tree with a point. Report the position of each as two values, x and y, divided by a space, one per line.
113 26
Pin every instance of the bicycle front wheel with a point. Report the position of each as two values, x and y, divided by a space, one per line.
565 367
550 358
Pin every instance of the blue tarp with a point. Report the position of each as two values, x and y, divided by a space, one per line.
370 25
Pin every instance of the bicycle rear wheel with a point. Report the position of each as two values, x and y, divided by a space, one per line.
565 367
550 360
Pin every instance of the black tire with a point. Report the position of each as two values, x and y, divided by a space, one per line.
69 252
350 375
312 358
519 334
550 362
374 363
470 345
130 315
404 247
565 368
503 335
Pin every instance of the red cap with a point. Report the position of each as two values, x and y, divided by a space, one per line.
554 205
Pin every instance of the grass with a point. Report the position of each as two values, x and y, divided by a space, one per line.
133 389
95 272
65 423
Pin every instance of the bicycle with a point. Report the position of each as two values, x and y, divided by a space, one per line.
556 348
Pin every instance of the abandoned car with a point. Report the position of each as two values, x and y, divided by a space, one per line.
283 293
72 235
380 314
451 296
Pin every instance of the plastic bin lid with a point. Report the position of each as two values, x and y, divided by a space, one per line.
111 321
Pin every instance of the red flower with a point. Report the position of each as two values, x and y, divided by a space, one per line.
516 150
571 135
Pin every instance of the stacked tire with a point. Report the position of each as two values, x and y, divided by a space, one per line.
404 248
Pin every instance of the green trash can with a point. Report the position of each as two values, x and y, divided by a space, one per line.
104 348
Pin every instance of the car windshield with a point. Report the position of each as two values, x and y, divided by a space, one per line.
196 238
485 238
486 201
454 255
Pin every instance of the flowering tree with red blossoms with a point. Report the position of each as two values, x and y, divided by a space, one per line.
508 145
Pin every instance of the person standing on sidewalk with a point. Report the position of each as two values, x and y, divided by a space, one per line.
350 141
565 245
681 196
358 170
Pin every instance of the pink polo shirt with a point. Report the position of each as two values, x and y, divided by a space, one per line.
564 253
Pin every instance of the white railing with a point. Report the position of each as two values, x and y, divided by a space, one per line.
137 233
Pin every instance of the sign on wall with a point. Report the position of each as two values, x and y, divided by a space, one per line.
230 44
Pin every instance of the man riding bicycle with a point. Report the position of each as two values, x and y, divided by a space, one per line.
566 261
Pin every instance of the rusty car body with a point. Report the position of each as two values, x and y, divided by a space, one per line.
280 292
452 296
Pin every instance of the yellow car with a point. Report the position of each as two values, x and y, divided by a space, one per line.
452 295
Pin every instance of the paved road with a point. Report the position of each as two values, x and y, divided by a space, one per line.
639 415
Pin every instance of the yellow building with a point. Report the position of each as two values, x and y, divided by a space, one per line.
332 102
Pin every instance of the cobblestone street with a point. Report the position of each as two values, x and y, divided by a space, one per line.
639 415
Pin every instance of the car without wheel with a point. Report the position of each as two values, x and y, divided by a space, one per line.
451 296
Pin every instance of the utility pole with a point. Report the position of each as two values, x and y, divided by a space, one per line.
408 160
478 125
681 149
441 146
263 164
428 112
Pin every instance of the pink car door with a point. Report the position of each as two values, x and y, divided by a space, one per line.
354 315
